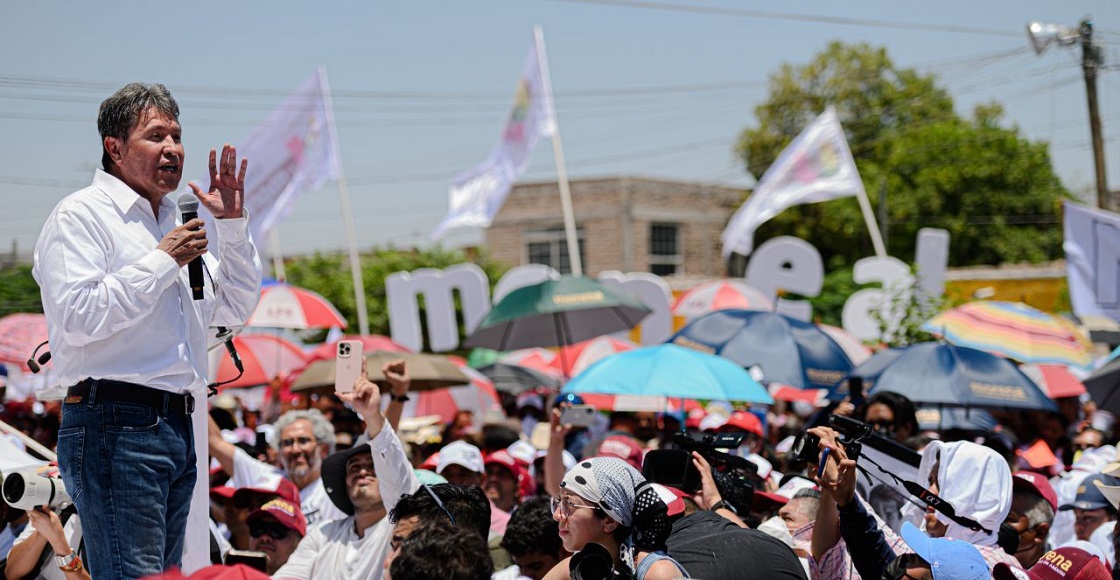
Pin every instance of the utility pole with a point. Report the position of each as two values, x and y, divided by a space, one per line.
1090 65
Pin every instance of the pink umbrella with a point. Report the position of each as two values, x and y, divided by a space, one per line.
1054 380
720 295
572 360
263 356
478 397
283 306
19 335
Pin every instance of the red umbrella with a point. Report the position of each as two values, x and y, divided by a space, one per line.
370 343
720 295
573 359
283 306
477 397
536 358
19 335
1054 380
264 357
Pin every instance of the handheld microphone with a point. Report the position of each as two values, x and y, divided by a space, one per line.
188 204
36 362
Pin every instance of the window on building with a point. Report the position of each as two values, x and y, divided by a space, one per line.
549 246
665 249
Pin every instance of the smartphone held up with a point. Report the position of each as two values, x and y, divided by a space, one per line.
348 365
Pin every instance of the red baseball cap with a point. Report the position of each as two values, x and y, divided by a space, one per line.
284 512
1066 563
743 421
526 487
279 487
1037 483
222 491
622 447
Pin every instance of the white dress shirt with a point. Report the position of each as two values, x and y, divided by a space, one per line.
117 307
333 551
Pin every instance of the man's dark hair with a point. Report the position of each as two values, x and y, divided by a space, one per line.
496 437
120 113
438 550
901 407
532 529
468 505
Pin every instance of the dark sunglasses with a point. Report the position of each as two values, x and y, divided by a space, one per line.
275 531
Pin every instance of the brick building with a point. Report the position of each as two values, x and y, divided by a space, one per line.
632 224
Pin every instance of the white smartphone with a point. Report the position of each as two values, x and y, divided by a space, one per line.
347 365
578 415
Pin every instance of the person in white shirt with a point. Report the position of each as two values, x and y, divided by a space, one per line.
365 482
127 334
302 438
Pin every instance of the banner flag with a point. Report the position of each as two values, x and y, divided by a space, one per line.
293 151
478 193
1092 245
817 166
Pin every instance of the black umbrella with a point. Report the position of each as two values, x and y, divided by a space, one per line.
516 379
1104 386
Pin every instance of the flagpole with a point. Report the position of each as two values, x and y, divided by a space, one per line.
277 254
561 168
872 225
347 214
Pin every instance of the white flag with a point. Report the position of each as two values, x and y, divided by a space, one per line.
1092 245
817 166
291 152
478 193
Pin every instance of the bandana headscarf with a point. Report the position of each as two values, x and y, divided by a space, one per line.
609 482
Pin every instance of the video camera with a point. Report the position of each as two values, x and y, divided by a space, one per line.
734 476
27 491
806 446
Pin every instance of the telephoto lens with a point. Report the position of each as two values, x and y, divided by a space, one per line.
27 491
806 447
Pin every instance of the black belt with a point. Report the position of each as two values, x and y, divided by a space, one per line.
102 389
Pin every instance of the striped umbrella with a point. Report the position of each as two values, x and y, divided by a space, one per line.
19 335
720 295
283 306
536 358
572 360
1013 330
478 396
264 356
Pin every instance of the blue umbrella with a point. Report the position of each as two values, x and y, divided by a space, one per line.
787 350
669 371
949 418
942 374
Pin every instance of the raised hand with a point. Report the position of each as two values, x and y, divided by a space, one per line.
396 373
366 400
226 198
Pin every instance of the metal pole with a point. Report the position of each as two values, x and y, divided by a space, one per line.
1090 64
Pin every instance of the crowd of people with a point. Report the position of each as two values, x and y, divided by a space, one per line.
337 486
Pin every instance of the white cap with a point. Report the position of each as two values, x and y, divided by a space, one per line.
523 451
463 454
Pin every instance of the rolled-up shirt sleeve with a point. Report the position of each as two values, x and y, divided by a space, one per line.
395 476
238 280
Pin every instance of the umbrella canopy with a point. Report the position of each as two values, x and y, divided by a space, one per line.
573 360
428 371
538 359
857 352
370 343
941 374
283 306
264 357
669 371
639 403
19 335
478 396
787 350
516 379
934 419
1054 380
557 313
1104 386
1013 330
720 295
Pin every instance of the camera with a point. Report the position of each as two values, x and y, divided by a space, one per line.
806 446
27 491
734 476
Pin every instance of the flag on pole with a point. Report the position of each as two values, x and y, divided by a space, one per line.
478 193
291 152
1092 245
817 166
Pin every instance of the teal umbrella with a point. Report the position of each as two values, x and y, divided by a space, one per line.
557 313
668 370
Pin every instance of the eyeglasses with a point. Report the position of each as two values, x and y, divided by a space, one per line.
275 531
439 503
301 441
566 506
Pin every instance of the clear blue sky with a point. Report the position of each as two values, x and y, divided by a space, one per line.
421 87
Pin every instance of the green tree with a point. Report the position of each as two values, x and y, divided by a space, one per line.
994 191
18 290
329 275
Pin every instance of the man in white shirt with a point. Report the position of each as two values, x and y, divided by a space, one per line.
365 485
302 438
128 334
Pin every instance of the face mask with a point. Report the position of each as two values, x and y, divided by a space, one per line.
777 528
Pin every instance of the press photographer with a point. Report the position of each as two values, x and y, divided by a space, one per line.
45 549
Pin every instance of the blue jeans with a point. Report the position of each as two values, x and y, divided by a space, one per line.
131 471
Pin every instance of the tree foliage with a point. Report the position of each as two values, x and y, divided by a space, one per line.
993 190
18 290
